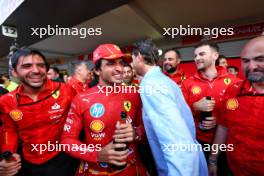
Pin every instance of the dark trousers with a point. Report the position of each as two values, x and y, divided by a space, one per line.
61 164
147 159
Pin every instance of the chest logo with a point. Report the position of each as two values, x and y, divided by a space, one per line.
16 115
56 94
196 90
227 81
55 106
232 104
97 126
97 110
127 106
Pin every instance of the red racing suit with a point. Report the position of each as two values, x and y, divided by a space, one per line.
178 78
242 113
77 86
196 87
97 114
36 123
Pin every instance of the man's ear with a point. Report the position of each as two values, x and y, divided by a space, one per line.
97 72
140 57
178 60
215 56
14 73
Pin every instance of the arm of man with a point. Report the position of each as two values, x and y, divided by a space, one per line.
10 168
220 138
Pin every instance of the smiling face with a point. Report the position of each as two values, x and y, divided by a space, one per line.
31 70
128 74
205 57
171 61
111 72
223 62
252 57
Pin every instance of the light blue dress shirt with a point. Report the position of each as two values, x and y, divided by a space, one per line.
170 127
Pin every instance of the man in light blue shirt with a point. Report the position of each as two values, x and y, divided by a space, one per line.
167 118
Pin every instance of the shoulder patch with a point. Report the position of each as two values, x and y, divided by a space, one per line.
97 110
227 81
16 115
56 94
232 104
196 90
97 126
127 105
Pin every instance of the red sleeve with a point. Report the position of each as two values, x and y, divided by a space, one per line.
9 138
221 109
186 94
70 135
139 127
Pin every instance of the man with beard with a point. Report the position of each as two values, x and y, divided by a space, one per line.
209 81
35 113
172 59
98 112
242 116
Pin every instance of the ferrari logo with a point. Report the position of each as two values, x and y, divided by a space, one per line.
16 115
227 81
196 90
232 104
56 94
127 105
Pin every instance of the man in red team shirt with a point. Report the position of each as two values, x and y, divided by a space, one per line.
242 116
35 112
208 81
80 78
172 59
98 114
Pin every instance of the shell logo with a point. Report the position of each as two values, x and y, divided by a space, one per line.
97 126
232 104
196 90
16 115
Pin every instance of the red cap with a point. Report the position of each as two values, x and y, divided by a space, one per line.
108 51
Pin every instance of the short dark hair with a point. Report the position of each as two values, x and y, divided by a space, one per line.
98 64
125 64
55 69
22 52
148 50
1 80
217 62
210 44
4 75
234 67
175 50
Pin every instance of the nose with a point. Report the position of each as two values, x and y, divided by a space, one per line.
35 68
119 67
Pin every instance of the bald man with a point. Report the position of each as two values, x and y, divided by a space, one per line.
242 117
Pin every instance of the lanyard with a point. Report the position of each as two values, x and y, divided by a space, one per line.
42 99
